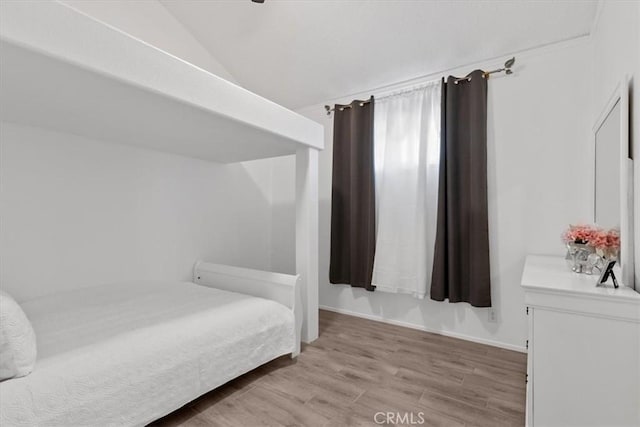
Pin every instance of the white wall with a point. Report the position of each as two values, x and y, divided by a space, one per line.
77 213
151 22
537 138
616 53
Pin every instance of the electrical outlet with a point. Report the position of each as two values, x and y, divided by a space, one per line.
493 315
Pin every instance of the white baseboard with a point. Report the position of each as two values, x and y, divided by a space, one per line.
377 318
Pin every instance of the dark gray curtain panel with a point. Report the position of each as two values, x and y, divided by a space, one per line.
461 270
353 239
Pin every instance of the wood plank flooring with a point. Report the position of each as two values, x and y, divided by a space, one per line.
360 367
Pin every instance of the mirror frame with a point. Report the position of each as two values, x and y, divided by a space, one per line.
620 95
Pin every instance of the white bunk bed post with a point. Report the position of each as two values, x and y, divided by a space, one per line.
307 237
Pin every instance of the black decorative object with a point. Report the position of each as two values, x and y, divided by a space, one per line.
606 273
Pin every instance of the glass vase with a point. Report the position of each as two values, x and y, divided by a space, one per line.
578 255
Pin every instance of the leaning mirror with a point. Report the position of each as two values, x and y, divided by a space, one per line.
613 176
607 198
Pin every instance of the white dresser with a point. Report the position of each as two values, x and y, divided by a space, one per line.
583 348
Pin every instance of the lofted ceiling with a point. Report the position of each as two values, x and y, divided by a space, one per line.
299 53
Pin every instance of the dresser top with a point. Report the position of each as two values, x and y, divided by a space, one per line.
551 274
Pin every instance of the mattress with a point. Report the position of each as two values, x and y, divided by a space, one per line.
130 353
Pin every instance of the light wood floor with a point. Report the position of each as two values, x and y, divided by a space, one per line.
359 367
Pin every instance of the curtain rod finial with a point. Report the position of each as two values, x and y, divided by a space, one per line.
510 63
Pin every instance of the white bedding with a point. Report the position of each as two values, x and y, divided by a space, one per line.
127 354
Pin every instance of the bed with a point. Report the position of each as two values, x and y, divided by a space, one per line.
129 353
66 71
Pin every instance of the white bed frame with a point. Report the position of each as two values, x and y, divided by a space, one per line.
57 61
63 70
282 288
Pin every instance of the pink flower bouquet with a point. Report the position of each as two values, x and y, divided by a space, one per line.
580 234
606 243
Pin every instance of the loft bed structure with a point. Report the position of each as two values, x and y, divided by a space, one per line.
66 71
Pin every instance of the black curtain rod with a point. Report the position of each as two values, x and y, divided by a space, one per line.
506 69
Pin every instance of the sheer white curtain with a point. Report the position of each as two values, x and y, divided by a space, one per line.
407 160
